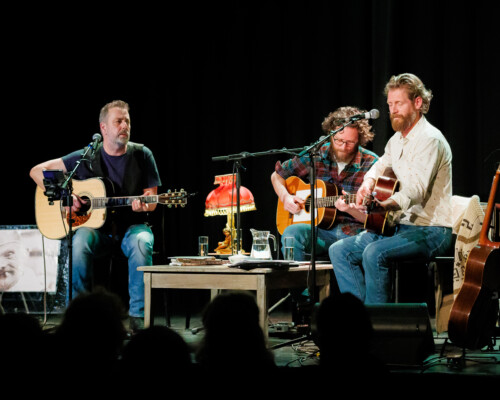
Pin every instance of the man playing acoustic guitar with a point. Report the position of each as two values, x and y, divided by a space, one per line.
131 168
420 158
342 165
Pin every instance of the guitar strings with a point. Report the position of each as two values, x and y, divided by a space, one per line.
334 198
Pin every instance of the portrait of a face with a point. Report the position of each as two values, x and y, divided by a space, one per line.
27 264
12 256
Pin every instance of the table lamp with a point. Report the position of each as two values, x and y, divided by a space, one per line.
223 201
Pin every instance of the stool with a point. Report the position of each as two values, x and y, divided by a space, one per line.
111 272
443 263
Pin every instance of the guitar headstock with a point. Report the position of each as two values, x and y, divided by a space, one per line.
175 198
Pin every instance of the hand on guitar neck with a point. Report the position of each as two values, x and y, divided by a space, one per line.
343 204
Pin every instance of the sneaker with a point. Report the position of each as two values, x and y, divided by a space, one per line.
136 324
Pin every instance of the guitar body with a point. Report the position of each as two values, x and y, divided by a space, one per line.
52 220
324 216
474 313
475 310
385 187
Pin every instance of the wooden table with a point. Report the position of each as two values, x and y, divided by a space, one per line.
220 277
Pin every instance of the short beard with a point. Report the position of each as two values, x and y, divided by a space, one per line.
343 157
402 124
122 142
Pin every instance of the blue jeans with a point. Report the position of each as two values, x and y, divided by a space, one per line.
362 263
302 247
302 243
137 246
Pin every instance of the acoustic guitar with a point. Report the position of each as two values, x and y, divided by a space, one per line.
326 194
387 184
53 220
475 310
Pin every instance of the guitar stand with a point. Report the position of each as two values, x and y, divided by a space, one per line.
457 360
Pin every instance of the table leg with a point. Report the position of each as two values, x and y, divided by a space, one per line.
147 299
324 291
262 303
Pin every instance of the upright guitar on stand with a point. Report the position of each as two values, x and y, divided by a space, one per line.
475 310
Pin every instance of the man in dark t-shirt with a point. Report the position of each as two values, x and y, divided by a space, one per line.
129 169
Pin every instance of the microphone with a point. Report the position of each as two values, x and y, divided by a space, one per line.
96 138
373 114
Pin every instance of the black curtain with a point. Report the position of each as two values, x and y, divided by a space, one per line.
217 79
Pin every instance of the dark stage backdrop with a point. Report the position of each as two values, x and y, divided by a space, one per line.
212 80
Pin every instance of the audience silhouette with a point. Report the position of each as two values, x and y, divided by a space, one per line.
231 322
91 345
23 348
156 351
344 335
89 340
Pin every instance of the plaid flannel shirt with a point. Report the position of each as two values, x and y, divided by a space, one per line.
350 179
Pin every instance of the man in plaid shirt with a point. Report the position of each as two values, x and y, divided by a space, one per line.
342 162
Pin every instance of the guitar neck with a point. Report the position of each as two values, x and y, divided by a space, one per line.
329 201
105 202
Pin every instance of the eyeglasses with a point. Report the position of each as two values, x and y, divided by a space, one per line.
341 142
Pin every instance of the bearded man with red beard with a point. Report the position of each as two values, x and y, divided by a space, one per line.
420 158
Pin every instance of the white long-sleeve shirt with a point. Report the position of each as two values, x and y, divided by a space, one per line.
422 163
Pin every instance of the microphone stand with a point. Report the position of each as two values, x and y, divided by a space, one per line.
312 150
66 190
236 167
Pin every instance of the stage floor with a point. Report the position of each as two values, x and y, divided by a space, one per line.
296 350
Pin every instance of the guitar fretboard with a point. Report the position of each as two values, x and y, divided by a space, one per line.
104 202
329 201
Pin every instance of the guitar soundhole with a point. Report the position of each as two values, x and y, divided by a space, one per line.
83 215
307 204
85 206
